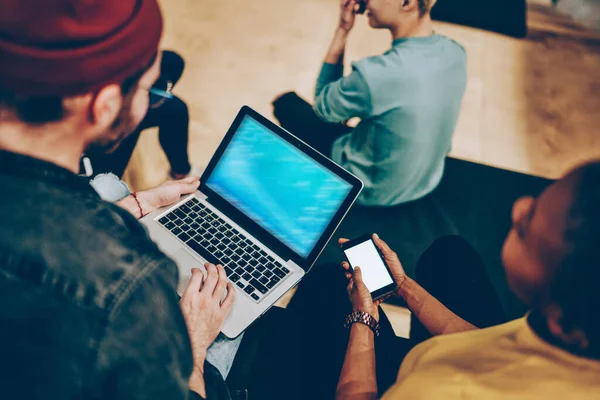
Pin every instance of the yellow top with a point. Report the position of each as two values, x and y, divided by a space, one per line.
503 362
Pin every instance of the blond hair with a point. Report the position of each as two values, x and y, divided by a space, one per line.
425 6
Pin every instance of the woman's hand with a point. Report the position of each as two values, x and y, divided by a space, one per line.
360 297
390 258
347 14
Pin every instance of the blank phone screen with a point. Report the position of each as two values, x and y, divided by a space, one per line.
374 272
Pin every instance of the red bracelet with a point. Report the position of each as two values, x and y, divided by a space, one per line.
134 194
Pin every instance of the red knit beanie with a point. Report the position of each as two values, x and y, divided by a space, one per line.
71 47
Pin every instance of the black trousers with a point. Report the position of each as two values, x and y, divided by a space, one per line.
171 118
297 116
307 349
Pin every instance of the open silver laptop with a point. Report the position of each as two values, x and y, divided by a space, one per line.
267 206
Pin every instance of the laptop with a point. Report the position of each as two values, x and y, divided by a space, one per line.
267 206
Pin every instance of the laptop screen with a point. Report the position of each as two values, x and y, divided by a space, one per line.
279 187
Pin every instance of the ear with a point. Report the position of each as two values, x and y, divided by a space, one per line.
106 105
410 5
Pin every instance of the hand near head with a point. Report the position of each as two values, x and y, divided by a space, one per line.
167 193
205 309
389 256
347 14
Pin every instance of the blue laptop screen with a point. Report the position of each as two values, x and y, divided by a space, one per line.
279 187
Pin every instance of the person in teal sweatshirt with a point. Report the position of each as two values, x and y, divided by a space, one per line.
408 100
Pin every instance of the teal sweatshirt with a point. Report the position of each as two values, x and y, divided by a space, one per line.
408 100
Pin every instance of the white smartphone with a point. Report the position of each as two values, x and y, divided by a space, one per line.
363 253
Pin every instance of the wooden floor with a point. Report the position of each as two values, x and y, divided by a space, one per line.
531 105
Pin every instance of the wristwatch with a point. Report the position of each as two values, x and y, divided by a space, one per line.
363 318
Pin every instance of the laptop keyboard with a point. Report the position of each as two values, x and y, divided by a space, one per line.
247 265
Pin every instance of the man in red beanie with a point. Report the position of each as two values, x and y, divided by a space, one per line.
88 302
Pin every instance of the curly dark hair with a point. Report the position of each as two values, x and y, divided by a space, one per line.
576 286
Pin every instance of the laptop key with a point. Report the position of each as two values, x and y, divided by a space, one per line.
255 297
259 286
235 257
183 236
170 225
249 289
268 273
226 259
195 225
219 254
247 277
240 284
193 215
270 284
184 208
211 248
234 277
228 271
264 280
262 260
203 252
284 269
275 278
214 242
164 220
176 231
171 217
239 270
279 273
256 274
179 213
261 268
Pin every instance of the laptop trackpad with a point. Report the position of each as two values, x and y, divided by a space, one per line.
185 262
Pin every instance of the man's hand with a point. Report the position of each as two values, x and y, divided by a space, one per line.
167 193
347 14
203 309
390 257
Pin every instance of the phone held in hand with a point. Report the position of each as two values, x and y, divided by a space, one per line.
361 7
362 252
